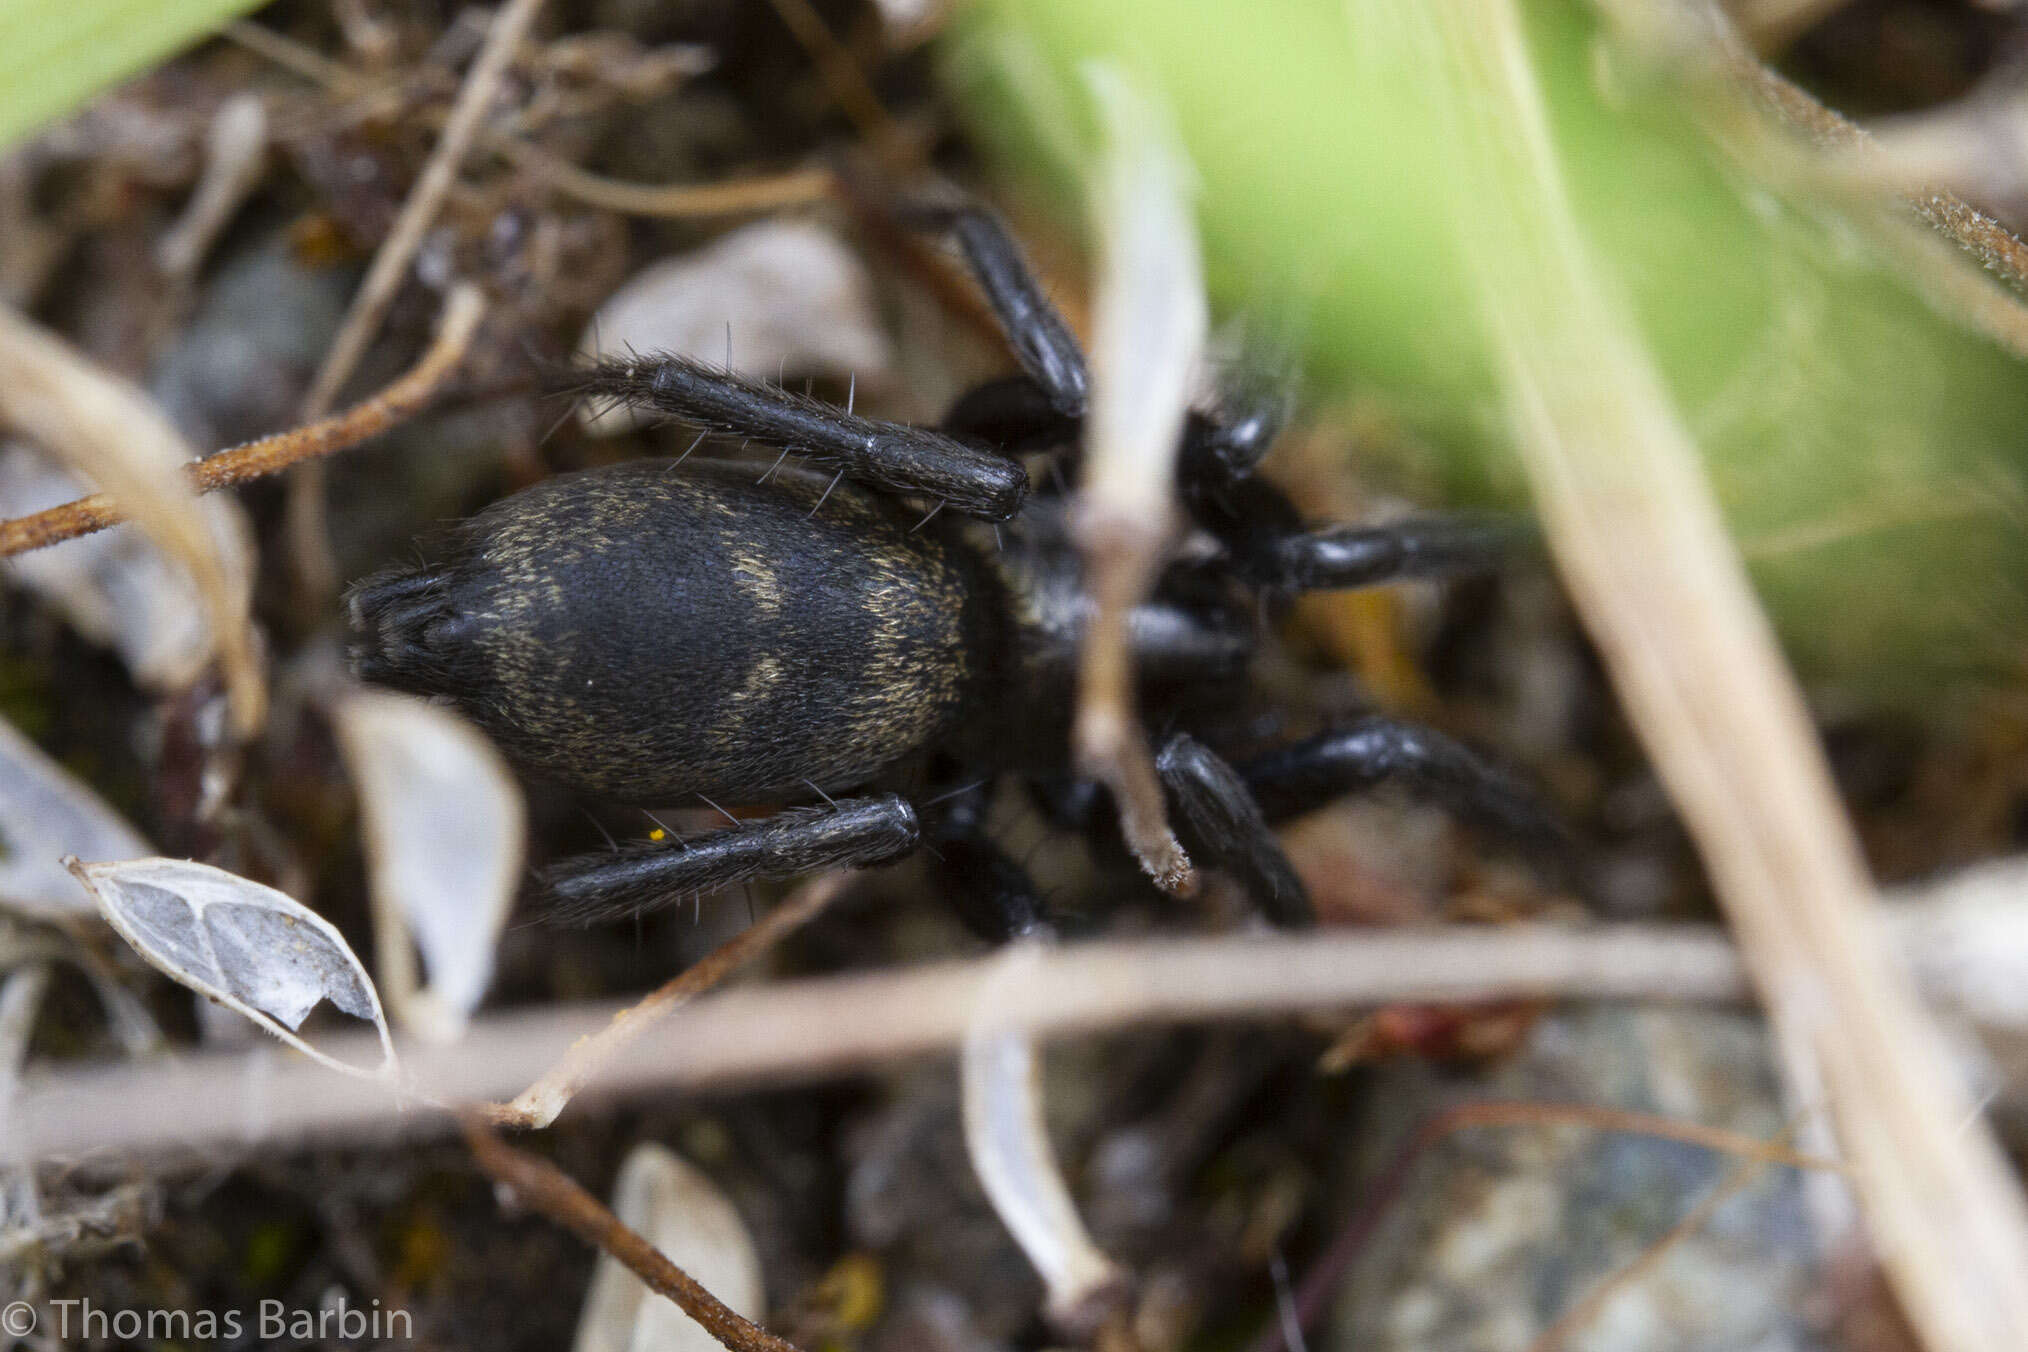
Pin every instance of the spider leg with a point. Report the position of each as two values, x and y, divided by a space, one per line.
990 891
1013 413
893 457
1294 779
1264 536
889 456
1042 342
1364 556
1224 813
641 877
1221 824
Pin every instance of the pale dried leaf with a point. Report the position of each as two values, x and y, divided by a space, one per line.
444 836
234 160
114 435
775 300
1010 1149
238 942
682 1214
1149 316
114 587
1967 939
45 814
1149 323
20 1001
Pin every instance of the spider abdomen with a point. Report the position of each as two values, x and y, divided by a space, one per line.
651 631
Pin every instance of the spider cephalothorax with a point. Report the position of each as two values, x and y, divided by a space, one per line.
831 638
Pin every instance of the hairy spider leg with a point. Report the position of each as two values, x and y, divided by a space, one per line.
1269 545
1417 547
1041 340
1224 813
1291 780
891 457
642 877
1013 413
992 893
1221 825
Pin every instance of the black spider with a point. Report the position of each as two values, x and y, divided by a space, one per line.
662 629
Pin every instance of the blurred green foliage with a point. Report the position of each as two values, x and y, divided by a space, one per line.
1869 451
56 54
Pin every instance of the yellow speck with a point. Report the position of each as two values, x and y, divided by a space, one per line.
657 834
853 1291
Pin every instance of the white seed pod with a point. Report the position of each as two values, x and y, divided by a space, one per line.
239 942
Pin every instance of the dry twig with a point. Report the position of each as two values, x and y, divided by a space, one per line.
541 1186
1760 116
286 52
1149 331
255 459
235 156
1638 537
846 82
760 192
539 1103
1996 248
833 1025
312 549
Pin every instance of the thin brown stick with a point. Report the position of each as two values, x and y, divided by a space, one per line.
286 52
541 1186
1997 248
847 84
256 459
1932 258
1786 137
1841 157
539 1103
1120 556
760 192
311 545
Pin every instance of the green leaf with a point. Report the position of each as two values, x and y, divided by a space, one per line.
1868 450
56 54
